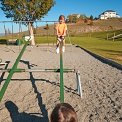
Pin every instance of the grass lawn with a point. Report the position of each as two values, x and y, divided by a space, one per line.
107 48
45 39
95 42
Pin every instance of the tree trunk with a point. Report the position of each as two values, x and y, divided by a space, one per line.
30 28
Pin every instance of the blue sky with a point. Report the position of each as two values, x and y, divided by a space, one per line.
66 7
87 7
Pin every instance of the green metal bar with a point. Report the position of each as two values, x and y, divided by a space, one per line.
61 76
37 70
2 92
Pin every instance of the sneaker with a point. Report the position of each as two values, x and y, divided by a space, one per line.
63 49
57 50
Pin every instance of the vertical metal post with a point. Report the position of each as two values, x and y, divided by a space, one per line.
3 89
107 36
79 88
61 75
114 37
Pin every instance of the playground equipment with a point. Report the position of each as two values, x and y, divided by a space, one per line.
12 72
62 70
61 73
114 37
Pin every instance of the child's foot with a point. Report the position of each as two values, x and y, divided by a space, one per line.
63 49
57 50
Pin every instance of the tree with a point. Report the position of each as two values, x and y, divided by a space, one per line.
26 10
83 16
91 17
96 18
72 18
75 19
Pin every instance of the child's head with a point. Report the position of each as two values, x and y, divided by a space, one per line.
61 18
63 112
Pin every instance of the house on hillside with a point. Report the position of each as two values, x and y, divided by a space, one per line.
109 14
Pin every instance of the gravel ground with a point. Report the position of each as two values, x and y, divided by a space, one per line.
30 97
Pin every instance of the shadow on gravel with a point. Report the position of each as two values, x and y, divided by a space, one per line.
2 75
22 117
33 80
67 89
16 116
42 107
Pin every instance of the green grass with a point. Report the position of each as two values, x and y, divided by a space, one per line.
107 48
45 39
95 42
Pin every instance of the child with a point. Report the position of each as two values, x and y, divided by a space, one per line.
63 112
61 29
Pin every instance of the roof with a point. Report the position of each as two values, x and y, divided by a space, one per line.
109 11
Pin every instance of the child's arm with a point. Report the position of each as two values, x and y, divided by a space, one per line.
65 30
64 34
57 33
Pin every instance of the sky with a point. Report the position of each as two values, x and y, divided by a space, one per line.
87 7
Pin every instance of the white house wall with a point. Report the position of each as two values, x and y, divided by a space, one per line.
107 15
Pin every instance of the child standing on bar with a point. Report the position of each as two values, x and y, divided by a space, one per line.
61 29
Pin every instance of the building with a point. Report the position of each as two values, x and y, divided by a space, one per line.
109 14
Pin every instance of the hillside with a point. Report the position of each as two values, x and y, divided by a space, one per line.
79 28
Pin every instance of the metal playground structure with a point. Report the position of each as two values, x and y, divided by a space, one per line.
61 70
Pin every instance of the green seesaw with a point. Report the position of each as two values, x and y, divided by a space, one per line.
3 89
61 70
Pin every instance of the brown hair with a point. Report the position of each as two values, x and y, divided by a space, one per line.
63 112
61 17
